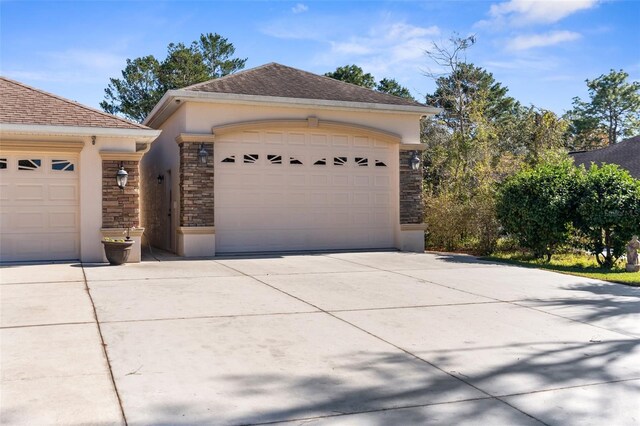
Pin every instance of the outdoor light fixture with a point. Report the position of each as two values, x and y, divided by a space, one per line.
414 161
160 179
202 154
122 176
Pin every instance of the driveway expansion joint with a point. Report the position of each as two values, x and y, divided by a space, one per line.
104 349
511 302
46 325
378 410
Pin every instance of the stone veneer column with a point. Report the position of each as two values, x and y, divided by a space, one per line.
411 202
196 233
121 208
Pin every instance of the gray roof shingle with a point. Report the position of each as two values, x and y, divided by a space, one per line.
281 81
626 154
22 104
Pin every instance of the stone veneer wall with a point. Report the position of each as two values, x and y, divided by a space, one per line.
411 198
196 186
120 208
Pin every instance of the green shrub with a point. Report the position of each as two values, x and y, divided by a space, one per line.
608 211
536 206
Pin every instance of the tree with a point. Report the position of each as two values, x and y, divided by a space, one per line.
613 108
536 206
392 87
144 80
353 74
607 211
531 133
137 92
182 67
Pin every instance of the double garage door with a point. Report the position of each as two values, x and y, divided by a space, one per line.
39 208
303 190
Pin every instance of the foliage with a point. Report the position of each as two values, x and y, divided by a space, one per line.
392 87
613 109
536 206
144 80
353 74
581 264
608 211
531 133
463 160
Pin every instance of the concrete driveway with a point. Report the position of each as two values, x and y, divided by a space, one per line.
376 338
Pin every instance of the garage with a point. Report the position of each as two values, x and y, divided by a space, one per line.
39 207
58 162
277 159
303 190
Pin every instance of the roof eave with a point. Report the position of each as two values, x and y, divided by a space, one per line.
140 135
173 98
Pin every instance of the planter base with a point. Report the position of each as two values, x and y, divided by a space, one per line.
117 252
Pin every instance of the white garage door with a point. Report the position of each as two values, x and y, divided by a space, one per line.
305 190
38 207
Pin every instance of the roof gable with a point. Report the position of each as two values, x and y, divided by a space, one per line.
22 104
276 80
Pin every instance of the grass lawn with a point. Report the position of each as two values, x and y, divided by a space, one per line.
574 264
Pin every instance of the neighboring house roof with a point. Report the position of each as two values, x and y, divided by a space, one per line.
281 81
626 154
24 105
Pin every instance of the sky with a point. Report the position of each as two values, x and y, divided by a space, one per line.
543 51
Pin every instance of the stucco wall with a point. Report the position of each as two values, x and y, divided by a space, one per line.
200 117
162 159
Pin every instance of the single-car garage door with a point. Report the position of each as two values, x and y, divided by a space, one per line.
303 190
39 206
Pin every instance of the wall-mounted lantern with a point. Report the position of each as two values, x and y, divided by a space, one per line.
203 155
414 161
121 177
160 179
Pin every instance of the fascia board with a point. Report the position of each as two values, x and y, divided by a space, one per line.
142 135
171 100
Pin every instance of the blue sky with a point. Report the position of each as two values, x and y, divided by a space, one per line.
541 50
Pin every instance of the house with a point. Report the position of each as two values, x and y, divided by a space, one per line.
625 153
277 159
58 162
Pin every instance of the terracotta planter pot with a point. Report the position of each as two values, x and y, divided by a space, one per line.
117 252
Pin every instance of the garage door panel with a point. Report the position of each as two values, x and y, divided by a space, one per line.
64 192
269 204
29 192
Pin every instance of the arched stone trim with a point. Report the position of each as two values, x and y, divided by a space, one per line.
308 123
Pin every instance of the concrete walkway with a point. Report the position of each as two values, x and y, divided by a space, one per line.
374 338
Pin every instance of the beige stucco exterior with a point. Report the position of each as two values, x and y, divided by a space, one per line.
88 144
202 117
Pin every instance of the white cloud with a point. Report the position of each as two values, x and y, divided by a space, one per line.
384 49
299 8
525 42
527 12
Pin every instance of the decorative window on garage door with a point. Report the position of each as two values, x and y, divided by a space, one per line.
29 164
3 163
62 165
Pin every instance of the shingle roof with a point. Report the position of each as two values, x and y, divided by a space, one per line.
282 81
22 104
626 154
